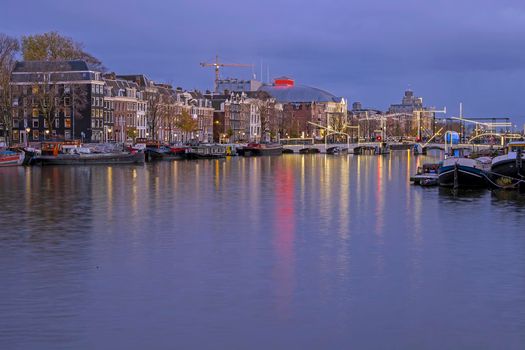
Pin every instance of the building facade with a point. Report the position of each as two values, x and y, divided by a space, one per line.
128 109
307 111
60 100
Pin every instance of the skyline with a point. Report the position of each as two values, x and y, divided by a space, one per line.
368 52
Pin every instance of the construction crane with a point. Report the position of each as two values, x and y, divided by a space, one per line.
217 66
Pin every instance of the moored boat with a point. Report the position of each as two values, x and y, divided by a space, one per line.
205 152
336 150
71 153
262 149
11 158
308 150
427 175
459 172
508 169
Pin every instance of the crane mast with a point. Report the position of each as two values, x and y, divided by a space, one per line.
217 64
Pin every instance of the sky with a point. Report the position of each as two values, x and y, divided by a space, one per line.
469 51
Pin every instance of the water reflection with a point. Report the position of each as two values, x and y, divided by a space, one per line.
284 237
292 251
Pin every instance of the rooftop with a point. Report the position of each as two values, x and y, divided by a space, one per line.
298 93
51 66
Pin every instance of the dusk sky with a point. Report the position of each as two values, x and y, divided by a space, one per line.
370 51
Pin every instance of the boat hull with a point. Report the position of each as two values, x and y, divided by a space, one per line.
160 156
309 151
194 155
15 159
467 177
92 159
247 152
507 168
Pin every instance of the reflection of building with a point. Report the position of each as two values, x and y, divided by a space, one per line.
304 104
74 93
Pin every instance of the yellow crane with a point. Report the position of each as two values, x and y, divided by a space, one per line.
217 64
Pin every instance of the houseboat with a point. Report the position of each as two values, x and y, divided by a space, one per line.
205 152
71 153
460 172
261 149
509 169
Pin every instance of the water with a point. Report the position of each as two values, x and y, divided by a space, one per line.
257 253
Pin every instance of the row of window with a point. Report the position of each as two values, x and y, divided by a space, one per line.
97 89
97 102
35 123
97 123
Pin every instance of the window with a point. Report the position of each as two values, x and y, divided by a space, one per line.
35 123
67 101
57 123
15 123
16 135
35 113
36 135
67 135
34 89
67 123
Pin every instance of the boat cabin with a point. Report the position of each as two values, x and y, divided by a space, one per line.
66 147
516 146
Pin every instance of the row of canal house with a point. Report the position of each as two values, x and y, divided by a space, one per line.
68 99
64 100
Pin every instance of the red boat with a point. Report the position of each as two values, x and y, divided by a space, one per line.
262 149
11 158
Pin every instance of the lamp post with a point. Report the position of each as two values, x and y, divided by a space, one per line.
47 134
28 131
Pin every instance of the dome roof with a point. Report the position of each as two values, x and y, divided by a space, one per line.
298 93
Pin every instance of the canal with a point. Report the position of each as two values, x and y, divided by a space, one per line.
309 252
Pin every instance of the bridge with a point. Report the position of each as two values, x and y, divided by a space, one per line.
321 147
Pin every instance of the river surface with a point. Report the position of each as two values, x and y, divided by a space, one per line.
291 252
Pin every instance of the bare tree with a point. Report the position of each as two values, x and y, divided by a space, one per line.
9 48
49 99
156 111
169 116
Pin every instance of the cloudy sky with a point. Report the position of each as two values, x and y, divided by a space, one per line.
447 51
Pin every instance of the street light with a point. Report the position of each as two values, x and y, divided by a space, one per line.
28 130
